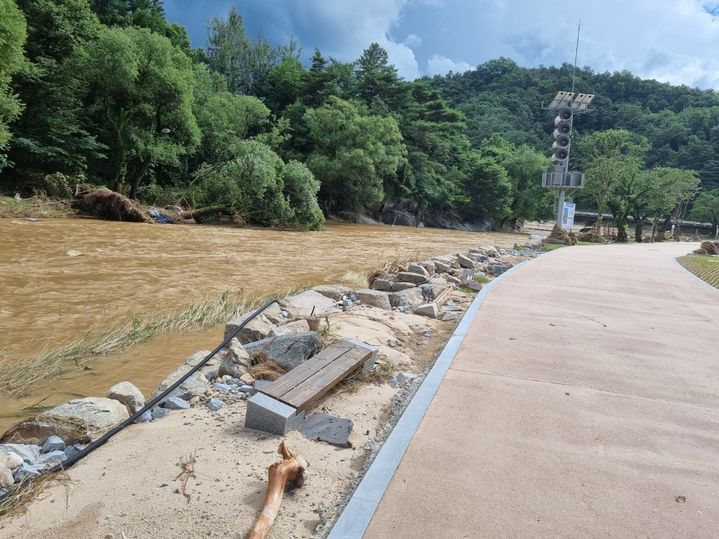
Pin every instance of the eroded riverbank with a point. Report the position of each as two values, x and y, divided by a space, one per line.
124 269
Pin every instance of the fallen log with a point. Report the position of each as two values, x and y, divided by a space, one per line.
290 469
201 212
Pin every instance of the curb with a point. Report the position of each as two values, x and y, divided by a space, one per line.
696 277
360 508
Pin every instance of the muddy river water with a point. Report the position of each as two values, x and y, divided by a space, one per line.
48 298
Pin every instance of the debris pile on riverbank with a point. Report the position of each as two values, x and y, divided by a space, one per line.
407 315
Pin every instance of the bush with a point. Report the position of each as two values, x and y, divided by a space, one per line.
301 188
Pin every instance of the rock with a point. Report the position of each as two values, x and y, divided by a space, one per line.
404 377
195 385
237 361
247 389
258 328
498 269
416 268
382 284
127 394
407 298
26 471
10 460
465 261
409 277
146 417
159 413
298 326
176 403
215 404
398 286
274 314
428 265
442 267
375 298
71 451
479 258
346 303
430 291
72 252
247 379
52 458
428 309
195 359
302 305
36 429
53 443
225 388
6 477
333 291
490 251
287 351
26 453
99 413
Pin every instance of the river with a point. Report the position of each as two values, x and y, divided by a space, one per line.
48 298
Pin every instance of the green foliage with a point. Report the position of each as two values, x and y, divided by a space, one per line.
706 207
226 119
488 188
353 154
139 90
12 37
259 188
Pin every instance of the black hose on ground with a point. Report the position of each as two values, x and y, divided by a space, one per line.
154 402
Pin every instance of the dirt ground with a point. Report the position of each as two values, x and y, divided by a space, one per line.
130 488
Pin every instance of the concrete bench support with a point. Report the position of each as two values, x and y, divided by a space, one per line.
270 415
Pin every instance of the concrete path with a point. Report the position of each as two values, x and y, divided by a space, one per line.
583 402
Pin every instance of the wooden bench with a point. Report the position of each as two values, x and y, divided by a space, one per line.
280 406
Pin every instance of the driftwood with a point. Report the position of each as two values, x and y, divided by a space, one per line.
201 212
290 469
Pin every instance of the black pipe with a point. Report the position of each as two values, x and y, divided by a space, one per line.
161 397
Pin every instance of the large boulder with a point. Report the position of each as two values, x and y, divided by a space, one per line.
195 386
129 395
307 304
398 286
258 328
333 291
442 266
430 291
237 361
375 298
428 309
99 413
287 351
409 277
407 298
384 285
36 429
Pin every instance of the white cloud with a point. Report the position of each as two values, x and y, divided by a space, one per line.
441 65
412 40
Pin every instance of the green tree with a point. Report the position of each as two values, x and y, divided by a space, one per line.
51 136
226 119
706 207
487 187
139 92
378 83
285 84
12 37
353 154
301 190
245 64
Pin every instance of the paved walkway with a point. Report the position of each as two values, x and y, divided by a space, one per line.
584 401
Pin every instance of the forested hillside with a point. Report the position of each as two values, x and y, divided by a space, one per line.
108 92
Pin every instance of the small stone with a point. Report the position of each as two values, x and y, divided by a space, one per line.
247 389
237 361
159 413
146 417
225 388
247 378
375 298
346 303
465 261
26 471
405 377
28 453
52 458
176 403
71 451
6 477
416 268
53 443
215 404
10 460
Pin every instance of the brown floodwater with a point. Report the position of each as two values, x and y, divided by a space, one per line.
48 298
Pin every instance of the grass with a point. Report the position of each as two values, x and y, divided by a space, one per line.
553 247
21 494
35 207
704 267
20 378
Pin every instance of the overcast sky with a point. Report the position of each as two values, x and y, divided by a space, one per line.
675 41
